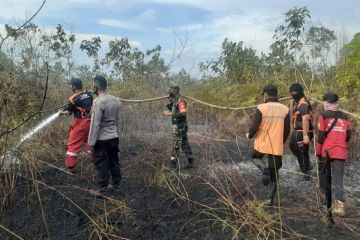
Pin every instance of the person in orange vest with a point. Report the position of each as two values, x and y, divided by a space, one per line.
334 133
302 128
80 104
271 128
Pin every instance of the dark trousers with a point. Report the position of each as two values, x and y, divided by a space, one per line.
271 169
337 173
274 163
107 162
301 150
180 139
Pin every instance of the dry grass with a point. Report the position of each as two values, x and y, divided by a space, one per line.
218 199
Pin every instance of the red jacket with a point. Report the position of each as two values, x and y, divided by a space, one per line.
336 140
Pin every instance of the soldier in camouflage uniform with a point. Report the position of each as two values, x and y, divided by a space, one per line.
178 110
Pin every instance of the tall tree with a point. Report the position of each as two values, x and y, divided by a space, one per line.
131 64
61 44
348 70
318 39
92 48
238 63
288 37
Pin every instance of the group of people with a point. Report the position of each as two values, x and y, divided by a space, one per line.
95 125
271 127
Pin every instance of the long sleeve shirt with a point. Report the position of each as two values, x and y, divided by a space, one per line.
256 122
104 118
335 142
271 127
80 104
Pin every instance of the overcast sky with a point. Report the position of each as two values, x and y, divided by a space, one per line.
206 22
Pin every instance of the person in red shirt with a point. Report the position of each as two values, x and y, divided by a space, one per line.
80 104
332 146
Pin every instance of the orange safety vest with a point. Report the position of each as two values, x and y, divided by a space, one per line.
269 138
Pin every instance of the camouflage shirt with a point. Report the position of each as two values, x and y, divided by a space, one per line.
178 110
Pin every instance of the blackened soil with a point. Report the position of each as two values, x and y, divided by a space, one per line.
56 205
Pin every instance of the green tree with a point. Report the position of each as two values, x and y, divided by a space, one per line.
318 39
181 78
238 63
92 48
131 64
348 70
288 38
61 45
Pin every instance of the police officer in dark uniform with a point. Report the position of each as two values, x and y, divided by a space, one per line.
178 111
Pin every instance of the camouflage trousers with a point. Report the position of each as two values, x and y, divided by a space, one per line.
180 139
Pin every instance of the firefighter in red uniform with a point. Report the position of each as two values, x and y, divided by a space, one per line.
80 104
334 133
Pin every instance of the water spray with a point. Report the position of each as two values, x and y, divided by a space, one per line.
37 129
10 158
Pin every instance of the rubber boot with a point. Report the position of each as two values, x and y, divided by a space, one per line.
265 177
190 163
173 163
270 200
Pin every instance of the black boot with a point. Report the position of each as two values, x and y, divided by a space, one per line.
117 191
270 200
173 164
190 163
265 177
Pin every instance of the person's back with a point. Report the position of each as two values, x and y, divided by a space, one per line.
302 128
331 149
110 108
270 127
336 140
80 104
270 136
104 138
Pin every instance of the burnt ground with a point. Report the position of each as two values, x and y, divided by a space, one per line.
154 206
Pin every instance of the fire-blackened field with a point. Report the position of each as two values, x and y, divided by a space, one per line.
219 199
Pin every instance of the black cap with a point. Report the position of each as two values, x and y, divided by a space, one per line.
330 97
100 82
77 83
297 88
271 90
173 90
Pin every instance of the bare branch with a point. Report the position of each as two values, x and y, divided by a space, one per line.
23 25
183 44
